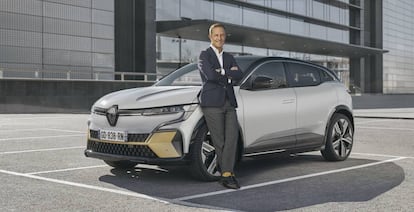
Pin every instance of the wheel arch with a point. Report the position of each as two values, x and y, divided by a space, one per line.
340 109
240 142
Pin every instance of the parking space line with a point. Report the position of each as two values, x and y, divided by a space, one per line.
373 121
16 130
81 185
41 150
60 130
287 179
7 119
39 137
380 155
37 129
69 169
387 128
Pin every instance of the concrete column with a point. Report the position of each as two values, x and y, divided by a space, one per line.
373 65
135 36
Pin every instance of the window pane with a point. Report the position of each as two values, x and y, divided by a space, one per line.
325 76
274 71
304 75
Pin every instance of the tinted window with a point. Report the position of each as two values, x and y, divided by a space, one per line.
187 75
245 62
273 71
304 75
325 76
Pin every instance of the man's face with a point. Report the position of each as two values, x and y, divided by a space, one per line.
217 37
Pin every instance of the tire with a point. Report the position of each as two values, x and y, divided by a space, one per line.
339 139
203 156
123 164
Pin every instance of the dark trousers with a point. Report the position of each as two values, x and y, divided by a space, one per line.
224 132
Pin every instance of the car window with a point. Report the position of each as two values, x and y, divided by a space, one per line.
271 73
190 78
304 75
245 62
187 75
325 76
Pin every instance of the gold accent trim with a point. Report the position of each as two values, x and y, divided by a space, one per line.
161 144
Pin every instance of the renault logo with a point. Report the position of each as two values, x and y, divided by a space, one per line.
112 115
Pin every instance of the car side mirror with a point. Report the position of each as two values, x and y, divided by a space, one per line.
262 82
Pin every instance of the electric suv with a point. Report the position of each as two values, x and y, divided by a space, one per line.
285 105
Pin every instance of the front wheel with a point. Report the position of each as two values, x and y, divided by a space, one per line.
339 139
123 164
203 156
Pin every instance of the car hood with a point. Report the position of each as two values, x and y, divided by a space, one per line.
148 97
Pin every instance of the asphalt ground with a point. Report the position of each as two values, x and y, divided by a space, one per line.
42 168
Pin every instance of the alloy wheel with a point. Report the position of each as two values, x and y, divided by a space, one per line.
342 137
209 157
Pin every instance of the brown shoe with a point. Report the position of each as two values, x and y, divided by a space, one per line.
229 182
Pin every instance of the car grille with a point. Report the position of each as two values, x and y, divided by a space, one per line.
132 137
137 137
121 149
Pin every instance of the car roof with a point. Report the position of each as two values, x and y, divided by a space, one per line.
265 58
252 59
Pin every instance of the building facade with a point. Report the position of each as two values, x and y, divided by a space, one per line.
368 43
52 38
398 35
345 35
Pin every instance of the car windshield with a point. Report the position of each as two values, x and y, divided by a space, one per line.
189 75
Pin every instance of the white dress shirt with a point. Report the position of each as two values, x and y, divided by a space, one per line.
220 59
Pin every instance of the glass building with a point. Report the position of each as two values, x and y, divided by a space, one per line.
54 37
368 43
342 35
398 38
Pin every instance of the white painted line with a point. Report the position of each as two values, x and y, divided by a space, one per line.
41 150
69 169
37 129
287 180
387 128
380 155
80 185
8 119
373 121
60 130
16 130
40 137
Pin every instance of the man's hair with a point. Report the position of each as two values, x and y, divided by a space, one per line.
210 30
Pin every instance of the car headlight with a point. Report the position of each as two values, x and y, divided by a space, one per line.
98 110
186 109
163 110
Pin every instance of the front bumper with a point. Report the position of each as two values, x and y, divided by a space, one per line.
143 160
164 147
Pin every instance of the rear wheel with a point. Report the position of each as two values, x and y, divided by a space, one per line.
122 164
339 139
203 156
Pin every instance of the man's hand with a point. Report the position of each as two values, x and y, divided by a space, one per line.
234 68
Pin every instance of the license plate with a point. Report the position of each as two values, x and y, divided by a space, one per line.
110 135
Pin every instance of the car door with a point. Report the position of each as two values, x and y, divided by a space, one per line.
316 98
268 109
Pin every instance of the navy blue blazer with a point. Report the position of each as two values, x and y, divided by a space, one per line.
216 87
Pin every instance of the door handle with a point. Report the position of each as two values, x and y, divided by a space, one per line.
288 101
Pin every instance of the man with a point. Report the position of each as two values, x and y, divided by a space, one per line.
218 71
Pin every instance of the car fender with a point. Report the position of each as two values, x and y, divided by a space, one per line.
338 109
201 122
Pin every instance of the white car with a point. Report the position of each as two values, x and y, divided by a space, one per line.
285 105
